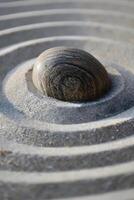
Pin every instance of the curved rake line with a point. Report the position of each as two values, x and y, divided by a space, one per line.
34 2
61 23
69 151
13 47
67 176
64 11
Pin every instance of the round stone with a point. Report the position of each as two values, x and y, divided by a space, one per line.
70 74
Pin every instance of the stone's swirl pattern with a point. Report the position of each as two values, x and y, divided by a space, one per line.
70 75
53 149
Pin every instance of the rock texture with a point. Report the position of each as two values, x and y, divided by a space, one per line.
50 149
70 74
